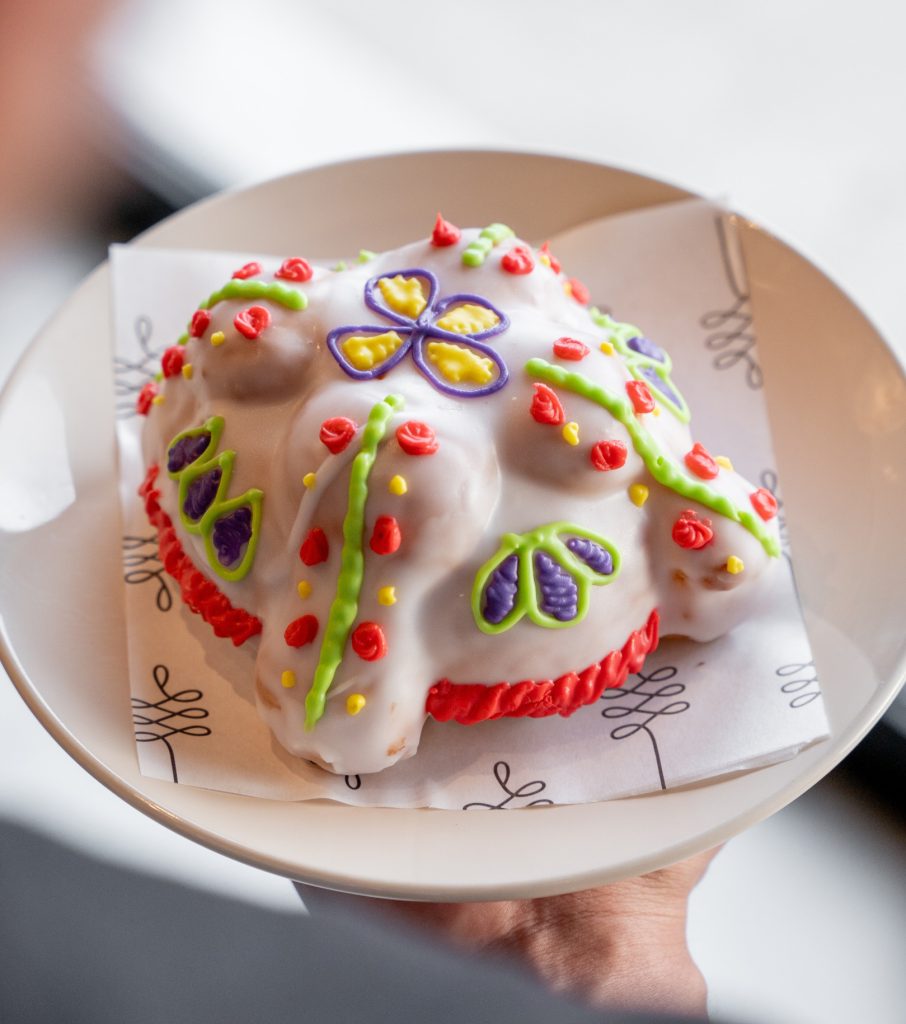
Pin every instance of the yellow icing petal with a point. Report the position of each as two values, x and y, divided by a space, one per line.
403 295
457 364
468 319
365 351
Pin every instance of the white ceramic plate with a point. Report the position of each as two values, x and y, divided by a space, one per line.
838 404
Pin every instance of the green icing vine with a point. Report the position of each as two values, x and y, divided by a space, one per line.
345 605
661 467
525 545
292 298
203 463
476 252
620 334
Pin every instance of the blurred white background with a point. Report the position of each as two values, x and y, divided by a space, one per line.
793 112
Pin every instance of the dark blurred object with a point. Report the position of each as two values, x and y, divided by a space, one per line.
86 942
878 763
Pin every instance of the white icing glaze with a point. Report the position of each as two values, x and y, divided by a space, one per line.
496 471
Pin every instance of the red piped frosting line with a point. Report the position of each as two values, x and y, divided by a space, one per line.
468 703
201 595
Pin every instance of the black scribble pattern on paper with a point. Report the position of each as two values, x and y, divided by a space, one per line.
801 681
730 330
159 721
644 703
142 564
131 375
353 782
527 789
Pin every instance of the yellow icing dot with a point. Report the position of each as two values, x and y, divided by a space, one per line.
304 588
288 679
656 411
397 485
366 351
544 258
722 460
218 338
468 319
309 479
638 494
571 433
387 596
403 294
187 371
354 703
567 288
735 565
157 400
606 348
458 364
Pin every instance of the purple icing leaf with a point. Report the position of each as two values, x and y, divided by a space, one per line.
230 535
593 555
500 592
187 450
656 380
646 347
201 493
558 590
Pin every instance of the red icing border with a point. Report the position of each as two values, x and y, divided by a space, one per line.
468 703
201 595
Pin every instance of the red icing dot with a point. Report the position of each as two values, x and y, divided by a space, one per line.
295 269
145 397
570 348
444 233
700 462
546 407
554 262
301 631
578 291
518 260
315 548
252 321
172 360
764 503
607 455
692 533
386 537
416 438
200 320
640 396
368 641
249 270
336 433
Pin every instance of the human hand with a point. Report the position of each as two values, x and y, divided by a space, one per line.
620 945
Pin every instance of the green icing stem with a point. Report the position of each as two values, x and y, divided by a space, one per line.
475 252
659 465
279 293
345 605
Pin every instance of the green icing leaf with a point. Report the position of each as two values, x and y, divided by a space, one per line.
546 574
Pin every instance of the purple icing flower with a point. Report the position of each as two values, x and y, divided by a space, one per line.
201 493
230 535
417 332
646 347
558 592
187 450
593 555
500 592
657 380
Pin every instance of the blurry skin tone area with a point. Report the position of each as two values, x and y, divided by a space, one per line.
53 125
